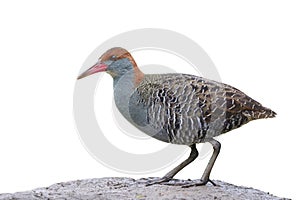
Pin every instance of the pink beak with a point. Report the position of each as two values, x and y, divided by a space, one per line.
98 67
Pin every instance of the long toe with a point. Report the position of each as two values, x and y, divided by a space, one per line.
177 182
199 183
158 181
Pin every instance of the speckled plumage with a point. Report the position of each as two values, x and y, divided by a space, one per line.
177 108
190 109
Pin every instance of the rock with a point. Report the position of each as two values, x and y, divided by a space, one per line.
127 188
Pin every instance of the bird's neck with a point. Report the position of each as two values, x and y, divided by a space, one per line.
138 75
124 87
133 77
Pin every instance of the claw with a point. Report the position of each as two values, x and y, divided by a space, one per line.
212 182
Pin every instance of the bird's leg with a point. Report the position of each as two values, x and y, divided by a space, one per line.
173 172
205 177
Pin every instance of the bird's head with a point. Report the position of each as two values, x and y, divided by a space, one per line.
116 62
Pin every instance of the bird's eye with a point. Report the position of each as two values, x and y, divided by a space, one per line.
113 57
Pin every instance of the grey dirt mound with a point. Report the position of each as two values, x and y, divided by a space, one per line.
127 188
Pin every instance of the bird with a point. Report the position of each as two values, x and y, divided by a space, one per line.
176 108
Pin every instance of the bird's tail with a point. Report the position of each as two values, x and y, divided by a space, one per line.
262 113
265 113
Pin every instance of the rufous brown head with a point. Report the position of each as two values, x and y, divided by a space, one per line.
116 61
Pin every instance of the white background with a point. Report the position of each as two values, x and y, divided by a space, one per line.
255 46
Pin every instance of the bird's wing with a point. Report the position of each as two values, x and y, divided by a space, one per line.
185 102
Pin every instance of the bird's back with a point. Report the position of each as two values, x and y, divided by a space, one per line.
186 109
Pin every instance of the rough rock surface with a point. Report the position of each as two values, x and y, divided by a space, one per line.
127 188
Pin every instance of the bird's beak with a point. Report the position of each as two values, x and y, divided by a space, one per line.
98 67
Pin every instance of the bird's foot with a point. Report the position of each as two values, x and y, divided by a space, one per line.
199 183
158 181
